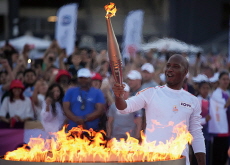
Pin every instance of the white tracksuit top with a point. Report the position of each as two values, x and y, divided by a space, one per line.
165 105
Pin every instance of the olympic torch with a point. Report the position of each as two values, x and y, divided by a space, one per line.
112 45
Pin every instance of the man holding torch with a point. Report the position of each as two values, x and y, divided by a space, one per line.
167 104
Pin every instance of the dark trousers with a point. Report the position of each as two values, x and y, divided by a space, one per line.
219 150
208 151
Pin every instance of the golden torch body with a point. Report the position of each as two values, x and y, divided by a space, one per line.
114 53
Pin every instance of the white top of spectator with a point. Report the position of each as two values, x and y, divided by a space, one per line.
21 108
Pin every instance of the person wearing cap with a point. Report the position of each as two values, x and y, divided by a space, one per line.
63 78
147 71
18 106
84 105
166 104
134 81
203 97
96 80
196 80
118 124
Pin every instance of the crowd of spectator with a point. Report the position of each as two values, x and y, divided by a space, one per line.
77 89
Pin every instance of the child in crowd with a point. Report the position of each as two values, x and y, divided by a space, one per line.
63 78
17 106
96 80
52 115
204 89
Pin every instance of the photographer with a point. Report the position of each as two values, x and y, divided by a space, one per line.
52 115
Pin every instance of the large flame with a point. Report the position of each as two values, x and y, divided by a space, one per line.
74 147
110 10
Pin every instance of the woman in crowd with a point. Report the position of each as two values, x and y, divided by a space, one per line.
219 125
17 106
52 114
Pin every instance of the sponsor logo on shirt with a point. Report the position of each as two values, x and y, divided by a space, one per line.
185 105
79 99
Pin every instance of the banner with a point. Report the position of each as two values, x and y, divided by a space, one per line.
132 33
65 32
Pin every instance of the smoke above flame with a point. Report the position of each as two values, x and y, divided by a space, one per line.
79 145
110 10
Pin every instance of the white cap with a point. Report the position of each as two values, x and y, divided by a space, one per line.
148 67
199 78
215 78
127 88
134 75
84 72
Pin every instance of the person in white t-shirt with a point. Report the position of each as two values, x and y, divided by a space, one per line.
52 114
165 104
220 117
18 106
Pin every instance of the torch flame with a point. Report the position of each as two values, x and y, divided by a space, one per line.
110 10
74 147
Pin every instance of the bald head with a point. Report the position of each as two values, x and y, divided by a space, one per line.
175 71
181 59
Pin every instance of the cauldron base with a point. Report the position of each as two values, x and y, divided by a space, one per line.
181 161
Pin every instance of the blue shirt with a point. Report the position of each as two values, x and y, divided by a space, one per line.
90 98
28 92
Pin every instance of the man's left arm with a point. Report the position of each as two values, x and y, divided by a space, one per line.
138 122
195 129
201 158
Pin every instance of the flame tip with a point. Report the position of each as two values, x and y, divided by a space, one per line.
110 10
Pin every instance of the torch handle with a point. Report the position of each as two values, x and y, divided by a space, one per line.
116 67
